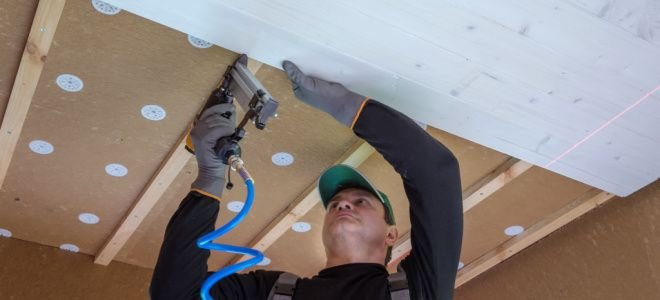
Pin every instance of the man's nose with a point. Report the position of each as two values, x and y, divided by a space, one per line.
344 205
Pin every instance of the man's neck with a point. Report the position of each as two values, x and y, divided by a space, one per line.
338 257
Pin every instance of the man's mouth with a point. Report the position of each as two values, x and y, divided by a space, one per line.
344 214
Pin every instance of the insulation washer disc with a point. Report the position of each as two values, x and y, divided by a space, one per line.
88 218
70 83
282 159
116 170
301 227
514 230
5 233
198 43
105 8
264 262
69 247
235 206
41 147
153 112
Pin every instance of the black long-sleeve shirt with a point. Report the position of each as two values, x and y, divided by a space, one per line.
431 180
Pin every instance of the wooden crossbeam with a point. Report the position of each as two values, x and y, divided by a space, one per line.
494 181
574 210
174 162
355 156
44 25
482 189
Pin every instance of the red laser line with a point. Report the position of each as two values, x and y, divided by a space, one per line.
602 127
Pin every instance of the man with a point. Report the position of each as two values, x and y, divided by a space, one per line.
358 230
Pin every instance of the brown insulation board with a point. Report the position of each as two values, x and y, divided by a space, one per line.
33 271
313 138
611 253
15 23
523 202
125 63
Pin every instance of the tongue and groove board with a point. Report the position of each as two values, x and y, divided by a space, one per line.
529 79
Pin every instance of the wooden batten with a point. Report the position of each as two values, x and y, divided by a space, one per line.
32 63
548 225
482 189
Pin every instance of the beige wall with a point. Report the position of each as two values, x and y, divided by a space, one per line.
32 271
611 253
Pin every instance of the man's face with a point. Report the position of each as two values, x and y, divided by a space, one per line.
357 214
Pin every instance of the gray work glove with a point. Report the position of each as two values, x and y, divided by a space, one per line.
210 127
330 97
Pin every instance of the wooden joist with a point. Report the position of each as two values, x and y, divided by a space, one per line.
493 182
355 156
175 161
34 57
482 189
548 225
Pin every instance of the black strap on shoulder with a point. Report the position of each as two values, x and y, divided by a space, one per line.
398 284
284 287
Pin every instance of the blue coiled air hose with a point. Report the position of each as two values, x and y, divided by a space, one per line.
206 241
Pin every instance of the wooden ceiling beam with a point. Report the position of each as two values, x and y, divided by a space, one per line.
482 189
548 225
174 162
39 40
493 182
355 156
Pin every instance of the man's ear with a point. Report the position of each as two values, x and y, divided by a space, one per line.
392 236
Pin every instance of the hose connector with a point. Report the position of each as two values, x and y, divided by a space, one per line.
236 164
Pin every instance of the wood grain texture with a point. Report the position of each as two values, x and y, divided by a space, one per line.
640 18
34 57
507 75
15 22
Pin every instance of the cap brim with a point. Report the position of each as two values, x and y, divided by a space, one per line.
339 177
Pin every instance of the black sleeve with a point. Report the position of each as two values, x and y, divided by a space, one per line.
431 180
181 267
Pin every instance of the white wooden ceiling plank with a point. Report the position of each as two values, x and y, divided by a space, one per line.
497 50
641 158
641 18
506 136
546 116
380 51
242 28
561 26
605 95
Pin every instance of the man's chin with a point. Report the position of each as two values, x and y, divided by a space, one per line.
343 226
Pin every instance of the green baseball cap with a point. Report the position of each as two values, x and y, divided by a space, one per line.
340 177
